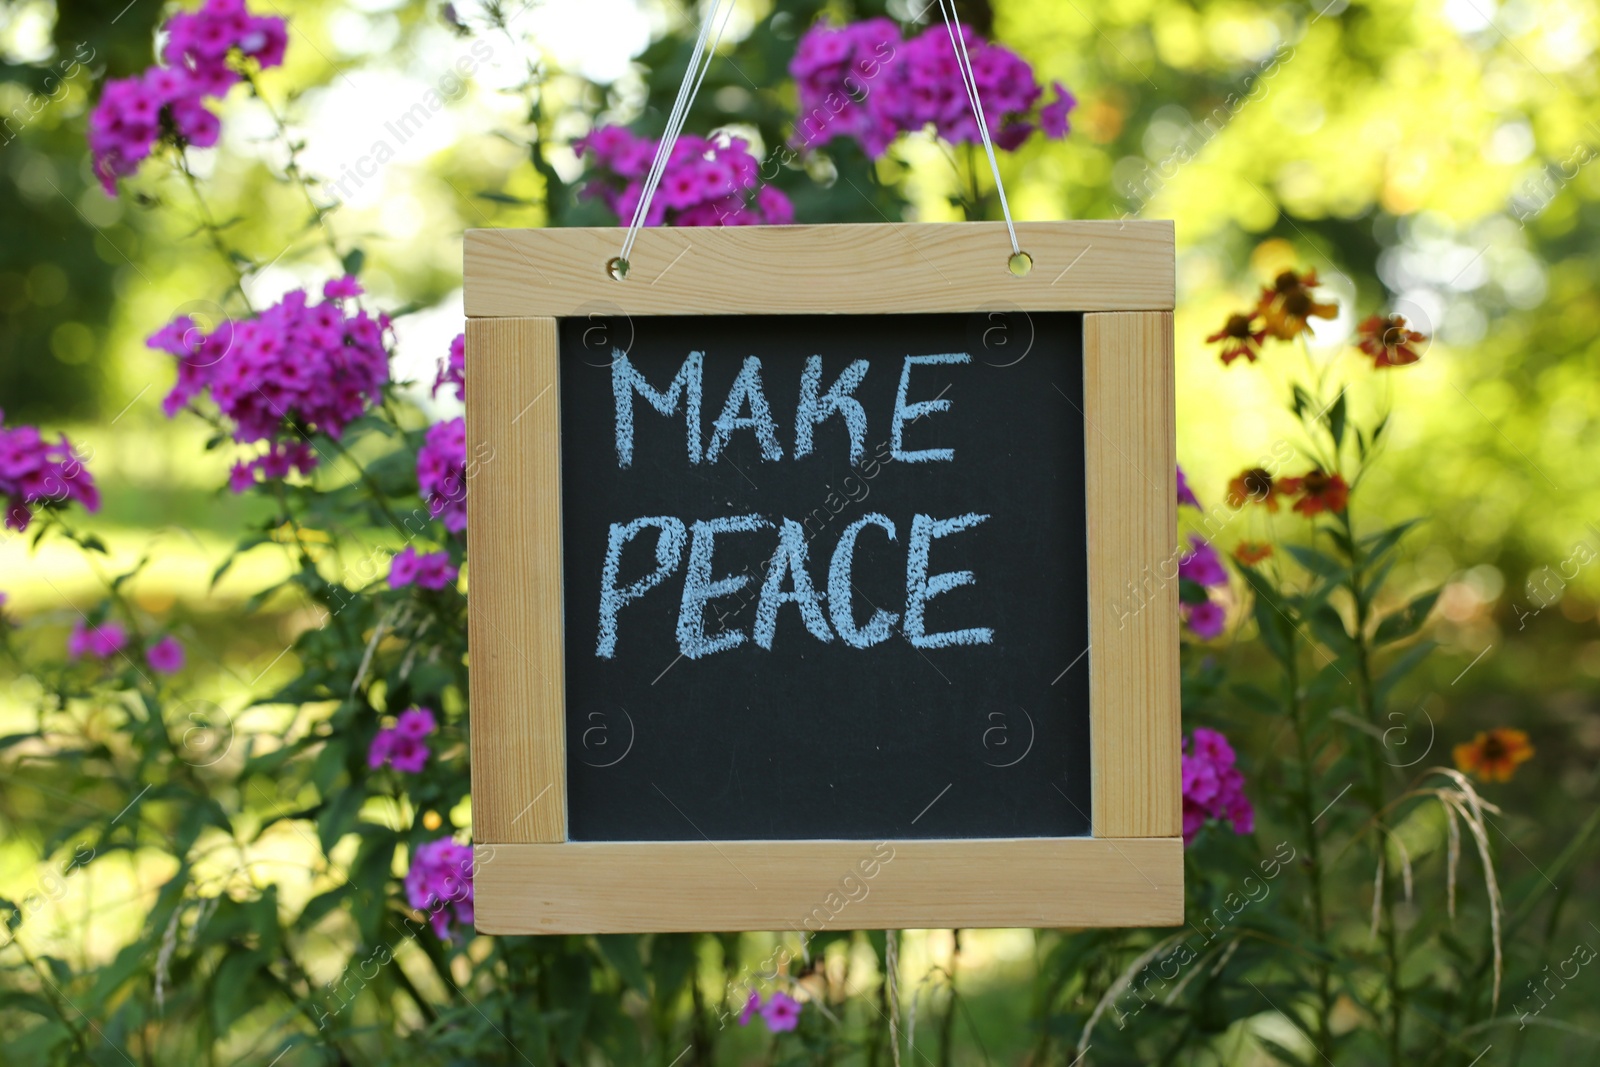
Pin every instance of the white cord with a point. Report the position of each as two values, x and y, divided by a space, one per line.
964 62
692 77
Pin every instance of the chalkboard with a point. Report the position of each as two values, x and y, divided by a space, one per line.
716 687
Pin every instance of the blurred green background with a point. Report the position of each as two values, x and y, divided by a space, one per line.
1434 157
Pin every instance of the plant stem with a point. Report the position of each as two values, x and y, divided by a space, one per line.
1324 1038
1367 699
208 222
293 171
947 1024
55 997
699 1033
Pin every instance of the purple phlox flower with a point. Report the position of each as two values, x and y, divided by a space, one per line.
167 103
416 722
341 288
865 82
99 642
439 881
707 182
430 570
407 754
434 571
442 473
1213 787
453 369
1053 116
1206 621
751 1006
36 473
403 567
166 655
401 746
781 1012
1185 494
1202 563
293 369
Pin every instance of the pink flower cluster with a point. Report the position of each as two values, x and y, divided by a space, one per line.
107 639
98 642
1213 788
168 102
295 369
37 473
439 881
402 746
780 1012
453 371
442 473
1202 564
706 183
865 82
429 570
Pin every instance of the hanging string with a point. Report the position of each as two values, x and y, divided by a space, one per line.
969 82
699 63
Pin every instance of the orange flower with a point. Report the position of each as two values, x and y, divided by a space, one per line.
1287 303
1388 341
1320 491
1254 486
1251 552
1494 756
1239 337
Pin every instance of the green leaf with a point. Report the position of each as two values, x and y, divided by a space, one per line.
327 766
1192 592
671 957
320 905
1329 627
1375 545
1404 665
1335 419
231 993
354 260
338 816
1301 403
1277 629
504 198
1378 578
622 952
129 962
1318 563
570 986
1280 1053
1407 621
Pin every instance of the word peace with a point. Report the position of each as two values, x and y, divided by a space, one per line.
788 562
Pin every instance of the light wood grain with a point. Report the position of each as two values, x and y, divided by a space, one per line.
517 721
878 269
814 885
1133 588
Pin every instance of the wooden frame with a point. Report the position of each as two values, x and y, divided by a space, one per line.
530 878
